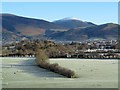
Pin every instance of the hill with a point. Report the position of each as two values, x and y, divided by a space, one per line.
73 23
105 31
16 27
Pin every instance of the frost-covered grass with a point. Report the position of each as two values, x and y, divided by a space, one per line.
90 73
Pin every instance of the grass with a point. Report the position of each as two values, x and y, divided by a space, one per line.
90 73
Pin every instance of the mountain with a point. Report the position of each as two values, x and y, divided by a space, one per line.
16 27
26 26
105 31
72 23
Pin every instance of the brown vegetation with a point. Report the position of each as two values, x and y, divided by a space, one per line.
42 61
41 57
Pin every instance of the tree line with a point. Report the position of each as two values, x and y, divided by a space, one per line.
53 50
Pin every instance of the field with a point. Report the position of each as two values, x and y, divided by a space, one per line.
91 73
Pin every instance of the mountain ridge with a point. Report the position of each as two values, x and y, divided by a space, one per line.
105 31
16 27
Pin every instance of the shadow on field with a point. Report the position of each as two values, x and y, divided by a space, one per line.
29 66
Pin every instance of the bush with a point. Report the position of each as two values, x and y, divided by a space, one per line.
41 57
42 61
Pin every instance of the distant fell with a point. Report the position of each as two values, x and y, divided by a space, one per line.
72 23
15 28
107 31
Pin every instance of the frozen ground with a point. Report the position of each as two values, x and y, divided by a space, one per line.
91 73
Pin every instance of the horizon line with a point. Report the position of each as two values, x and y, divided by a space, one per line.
12 14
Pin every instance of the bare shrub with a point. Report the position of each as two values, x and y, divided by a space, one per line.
42 61
41 57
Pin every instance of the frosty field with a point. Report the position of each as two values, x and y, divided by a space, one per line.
91 73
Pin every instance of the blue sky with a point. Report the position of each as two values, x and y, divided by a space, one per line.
96 12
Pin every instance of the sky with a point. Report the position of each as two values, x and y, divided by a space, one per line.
96 12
